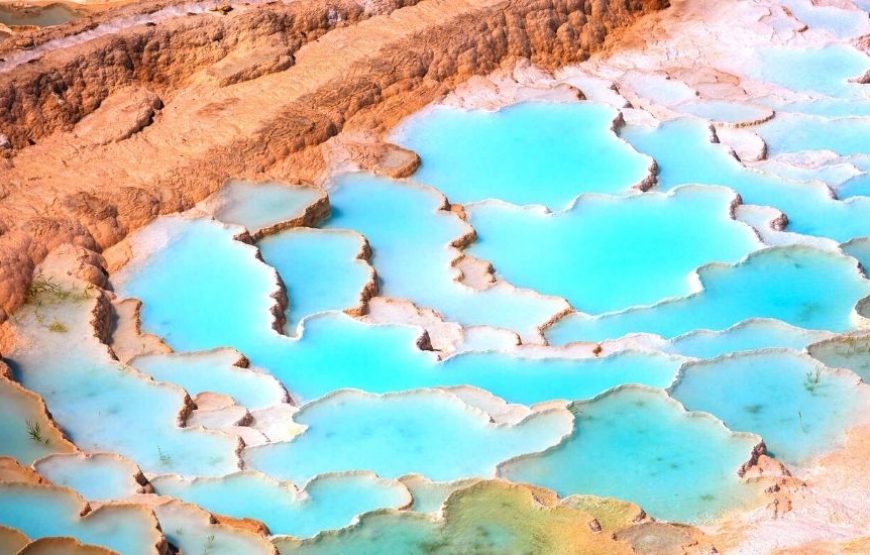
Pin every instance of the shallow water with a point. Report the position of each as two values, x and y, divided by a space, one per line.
25 431
328 502
721 111
406 229
427 432
227 305
802 286
798 406
749 335
320 270
189 528
685 155
214 371
55 512
608 253
852 352
96 478
367 396
105 406
638 445
794 132
824 70
530 153
54 14
258 206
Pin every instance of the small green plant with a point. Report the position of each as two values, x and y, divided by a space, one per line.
57 326
34 432
812 380
165 459
44 291
209 545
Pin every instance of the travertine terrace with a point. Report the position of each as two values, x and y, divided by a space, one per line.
435 276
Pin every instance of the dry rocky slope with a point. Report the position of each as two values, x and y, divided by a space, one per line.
100 137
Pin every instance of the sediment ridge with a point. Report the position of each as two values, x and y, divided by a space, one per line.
253 92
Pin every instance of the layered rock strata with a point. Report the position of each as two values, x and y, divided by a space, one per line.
252 93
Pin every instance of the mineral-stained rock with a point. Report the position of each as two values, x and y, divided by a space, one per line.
126 112
253 93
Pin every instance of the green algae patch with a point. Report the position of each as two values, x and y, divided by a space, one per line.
487 517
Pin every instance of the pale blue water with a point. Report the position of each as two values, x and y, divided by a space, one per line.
860 249
825 70
745 336
410 533
795 132
335 351
213 371
406 230
530 153
685 155
105 406
638 445
841 23
856 186
607 253
319 269
802 286
189 529
798 406
257 206
852 352
229 302
329 502
16 410
827 107
722 111
96 478
55 512
427 432
621 251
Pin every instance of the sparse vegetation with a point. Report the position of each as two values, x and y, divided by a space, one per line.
209 544
812 380
165 459
34 432
43 291
57 326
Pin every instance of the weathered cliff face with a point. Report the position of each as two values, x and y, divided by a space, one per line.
105 135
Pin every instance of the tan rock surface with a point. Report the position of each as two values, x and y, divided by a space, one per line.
233 107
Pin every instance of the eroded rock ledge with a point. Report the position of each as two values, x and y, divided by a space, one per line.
252 93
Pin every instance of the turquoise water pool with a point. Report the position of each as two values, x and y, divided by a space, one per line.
576 296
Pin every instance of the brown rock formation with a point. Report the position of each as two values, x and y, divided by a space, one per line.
252 94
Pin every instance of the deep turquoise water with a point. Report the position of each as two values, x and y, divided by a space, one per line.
608 253
796 404
544 192
214 371
55 512
318 269
425 432
406 228
638 444
802 286
564 150
685 155
96 478
103 405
